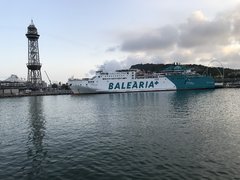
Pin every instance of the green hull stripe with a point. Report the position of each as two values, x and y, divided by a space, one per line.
192 82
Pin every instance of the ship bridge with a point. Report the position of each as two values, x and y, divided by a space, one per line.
119 74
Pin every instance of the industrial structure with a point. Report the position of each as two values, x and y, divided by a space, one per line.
34 86
34 77
12 86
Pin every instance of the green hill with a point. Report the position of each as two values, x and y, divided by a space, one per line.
215 72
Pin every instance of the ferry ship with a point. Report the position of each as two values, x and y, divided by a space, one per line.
175 77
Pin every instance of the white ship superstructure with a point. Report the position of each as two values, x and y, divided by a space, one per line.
136 81
121 81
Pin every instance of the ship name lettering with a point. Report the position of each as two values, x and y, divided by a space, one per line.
141 85
123 87
110 86
151 85
135 85
131 85
117 86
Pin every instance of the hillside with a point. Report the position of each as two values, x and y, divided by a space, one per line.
215 72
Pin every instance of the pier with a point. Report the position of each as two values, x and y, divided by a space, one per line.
18 93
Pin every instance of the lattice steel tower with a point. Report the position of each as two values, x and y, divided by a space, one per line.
34 67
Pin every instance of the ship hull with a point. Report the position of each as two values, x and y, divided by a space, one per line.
165 83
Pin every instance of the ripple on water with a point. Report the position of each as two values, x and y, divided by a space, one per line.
160 135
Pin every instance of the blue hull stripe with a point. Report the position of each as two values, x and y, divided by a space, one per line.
192 82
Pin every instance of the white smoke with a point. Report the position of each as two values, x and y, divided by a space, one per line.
113 65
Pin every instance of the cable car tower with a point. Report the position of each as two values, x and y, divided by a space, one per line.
34 67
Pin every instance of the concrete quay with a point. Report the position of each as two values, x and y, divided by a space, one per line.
16 93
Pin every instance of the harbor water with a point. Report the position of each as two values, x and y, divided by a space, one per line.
149 135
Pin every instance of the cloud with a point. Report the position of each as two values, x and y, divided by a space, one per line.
162 38
112 49
198 31
231 60
234 18
197 40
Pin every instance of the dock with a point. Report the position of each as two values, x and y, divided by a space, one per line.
15 93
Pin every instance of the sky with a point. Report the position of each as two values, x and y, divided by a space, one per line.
78 37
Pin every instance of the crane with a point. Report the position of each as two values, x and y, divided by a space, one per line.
48 78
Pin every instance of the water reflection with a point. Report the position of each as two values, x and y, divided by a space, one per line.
162 135
36 149
141 98
185 101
